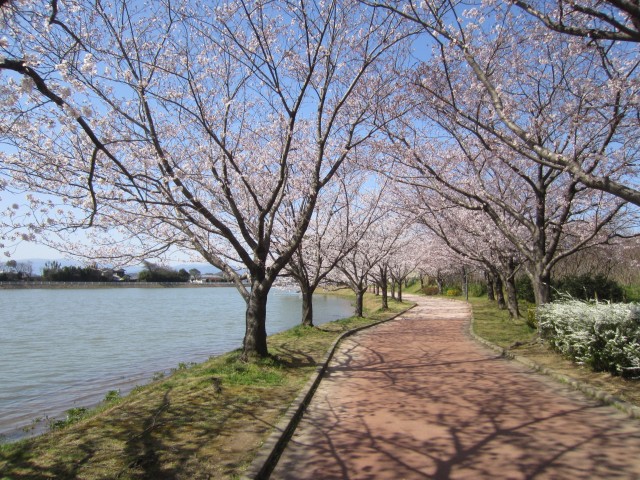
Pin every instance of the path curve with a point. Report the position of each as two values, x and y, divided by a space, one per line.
417 398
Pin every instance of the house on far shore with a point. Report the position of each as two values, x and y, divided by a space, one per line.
115 275
210 278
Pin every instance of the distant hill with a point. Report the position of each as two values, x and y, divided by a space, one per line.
203 267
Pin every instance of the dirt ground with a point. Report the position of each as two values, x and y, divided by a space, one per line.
418 398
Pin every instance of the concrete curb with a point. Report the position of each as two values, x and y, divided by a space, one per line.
631 410
268 455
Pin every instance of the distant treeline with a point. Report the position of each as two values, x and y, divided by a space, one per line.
53 271
163 274
74 274
150 273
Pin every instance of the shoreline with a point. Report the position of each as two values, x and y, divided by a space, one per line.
92 285
37 421
222 408
41 424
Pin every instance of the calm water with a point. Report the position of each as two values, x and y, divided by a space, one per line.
65 348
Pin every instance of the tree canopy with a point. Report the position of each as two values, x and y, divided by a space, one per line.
242 132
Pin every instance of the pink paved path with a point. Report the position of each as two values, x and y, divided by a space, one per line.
417 398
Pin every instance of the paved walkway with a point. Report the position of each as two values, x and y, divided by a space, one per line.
417 398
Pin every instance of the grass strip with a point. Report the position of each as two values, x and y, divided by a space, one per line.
204 421
519 339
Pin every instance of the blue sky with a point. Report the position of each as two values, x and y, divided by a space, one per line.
29 250
23 250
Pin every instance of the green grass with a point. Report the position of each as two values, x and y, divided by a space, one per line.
495 325
234 372
413 288
632 293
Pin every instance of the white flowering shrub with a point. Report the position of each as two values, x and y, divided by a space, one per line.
604 336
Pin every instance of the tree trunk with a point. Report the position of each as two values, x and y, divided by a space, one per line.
497 289
399 291
512 297
360 302
384 288
490 294
541 283
307 306
393 290
465 283
255 337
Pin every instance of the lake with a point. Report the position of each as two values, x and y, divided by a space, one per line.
66 348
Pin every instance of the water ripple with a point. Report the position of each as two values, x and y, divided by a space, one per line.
65 348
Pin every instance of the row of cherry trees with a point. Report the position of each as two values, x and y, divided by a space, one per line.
517 144
303 139
205 127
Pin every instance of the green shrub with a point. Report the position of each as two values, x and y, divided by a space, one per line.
74 415
604 336
586 287
524 288
477 289
430 290
453 292
632 293
112 396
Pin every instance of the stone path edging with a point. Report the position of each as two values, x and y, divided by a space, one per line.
267 456
631 410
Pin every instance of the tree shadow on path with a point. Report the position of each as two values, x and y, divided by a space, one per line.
416 398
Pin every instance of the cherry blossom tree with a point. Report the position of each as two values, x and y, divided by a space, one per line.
393 239
459 142
378 241
191 127
354 269
593 20
404 259
542 213
618 262
501 74
379 276
437 260
343 214
480 245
